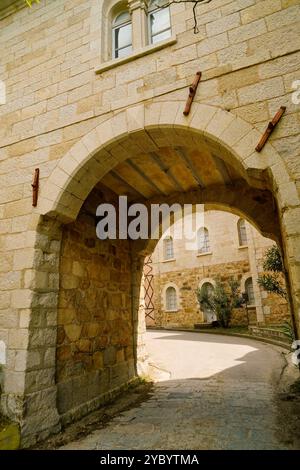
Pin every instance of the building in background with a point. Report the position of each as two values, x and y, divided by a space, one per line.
225 246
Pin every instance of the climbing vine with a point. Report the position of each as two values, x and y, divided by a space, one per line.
161 4
167 3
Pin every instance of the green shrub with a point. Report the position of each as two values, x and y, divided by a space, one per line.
222 300
272 280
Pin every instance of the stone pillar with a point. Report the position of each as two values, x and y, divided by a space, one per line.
138 10
138 314
291 258
17 259
254 273
29 395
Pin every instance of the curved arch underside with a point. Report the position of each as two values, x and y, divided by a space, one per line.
256 205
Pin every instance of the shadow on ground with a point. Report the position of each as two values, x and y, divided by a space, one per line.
221 393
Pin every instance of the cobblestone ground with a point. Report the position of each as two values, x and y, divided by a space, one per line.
213 392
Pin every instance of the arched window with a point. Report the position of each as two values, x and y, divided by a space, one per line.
203 240
168 248
242 232
159 22
208 289
249 291
122 35
171 298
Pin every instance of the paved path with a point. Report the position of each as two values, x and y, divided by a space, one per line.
217 392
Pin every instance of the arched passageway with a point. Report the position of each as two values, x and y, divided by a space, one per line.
152 154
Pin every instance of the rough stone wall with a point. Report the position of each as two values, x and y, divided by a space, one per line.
188 281
189 313
276 308
95 332
240 317
248 52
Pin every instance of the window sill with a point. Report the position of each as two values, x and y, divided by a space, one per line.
168 260
172 311
136 55
242 247
205 254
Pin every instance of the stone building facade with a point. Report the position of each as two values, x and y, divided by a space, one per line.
101 116
232 248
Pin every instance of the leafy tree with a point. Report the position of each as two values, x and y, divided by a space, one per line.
272 281
222 300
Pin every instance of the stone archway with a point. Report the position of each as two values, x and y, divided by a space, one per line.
262 191
144 127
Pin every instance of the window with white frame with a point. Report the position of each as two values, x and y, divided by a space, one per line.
203 244
159 23
168 248
171 299
122 35
133 25
242 232
250 291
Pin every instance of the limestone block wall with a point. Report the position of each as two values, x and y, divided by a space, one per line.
49 55
243 317
95 331
249 54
